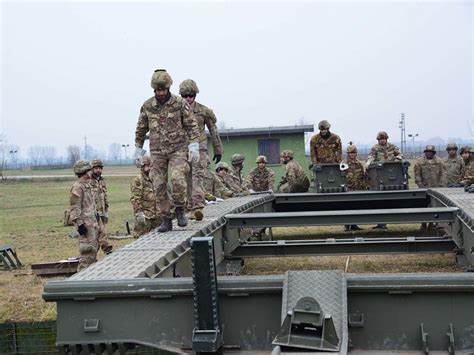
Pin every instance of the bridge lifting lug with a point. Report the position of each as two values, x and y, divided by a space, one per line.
450 335
424 339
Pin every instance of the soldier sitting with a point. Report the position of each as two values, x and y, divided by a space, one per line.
260 178
230 181
213 186
143 200
295 180
468 178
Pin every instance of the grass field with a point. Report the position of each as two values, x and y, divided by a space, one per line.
31 220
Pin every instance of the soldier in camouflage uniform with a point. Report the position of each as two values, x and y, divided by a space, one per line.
229 181
83 214
237 161
430 171
205 118
465 155
295 180
143 200
260 178
214 186
468 178
326 147
356 177
101 203
383 151
454 166
172 128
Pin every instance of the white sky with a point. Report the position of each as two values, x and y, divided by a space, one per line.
71 69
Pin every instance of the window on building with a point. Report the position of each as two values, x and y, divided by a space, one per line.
271 149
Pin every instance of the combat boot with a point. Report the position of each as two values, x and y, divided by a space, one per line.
166 225
181 217
198 215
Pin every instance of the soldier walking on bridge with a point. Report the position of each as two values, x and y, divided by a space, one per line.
326 147
173 133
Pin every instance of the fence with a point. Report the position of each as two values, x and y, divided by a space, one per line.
39 338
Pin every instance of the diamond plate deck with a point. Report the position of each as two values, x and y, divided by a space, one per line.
328 288
457 197
150 253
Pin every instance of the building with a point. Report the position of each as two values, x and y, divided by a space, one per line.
268 141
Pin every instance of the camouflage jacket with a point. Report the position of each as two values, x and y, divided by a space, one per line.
213 185
468 178
237 175
99 188
171 125
326 150
454 169
205 118
143 197
260 180
294 174
387 152
82 202
430 172
232 183
356 177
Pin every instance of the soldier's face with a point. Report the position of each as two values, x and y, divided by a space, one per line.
429 154
222 172
452 152
324 132
261 165
352 155
383 141
97 171
189 98
465 155
161 94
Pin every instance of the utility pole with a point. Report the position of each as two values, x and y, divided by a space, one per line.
403 139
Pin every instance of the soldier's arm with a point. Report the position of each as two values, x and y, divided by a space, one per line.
313 151
339 150
418 176
75 201
463 168
106 198
444 175
142 128
221 190
396 152
190 124
249 180
372 156
136 189
271 180
213 132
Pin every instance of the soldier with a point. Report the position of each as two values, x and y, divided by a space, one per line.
430 171
143 200
468 178
229 181
237 161
260 178
83 214
172 128
454 166
326 147
465 155
295 179
205 118
356 178
214 186
99 189
383 151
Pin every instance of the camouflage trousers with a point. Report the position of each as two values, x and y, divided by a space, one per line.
176 162
102 237
195 181
150 224
88 245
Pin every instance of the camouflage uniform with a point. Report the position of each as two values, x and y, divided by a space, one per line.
454 169
295 179
172 127
143 199
430 172
387 152
356 177
468 178
205 118
260 179
83 211
326 150
213 185
99 189
234 184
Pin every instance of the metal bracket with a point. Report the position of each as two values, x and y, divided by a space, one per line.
8 257
424 340
450 335
307 327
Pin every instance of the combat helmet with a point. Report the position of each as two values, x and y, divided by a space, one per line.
161 80
97 163
464 149
287 153
222 165
81 166
188 87
237 159
430 148
452 146
382 135
324 124
261 159
351 148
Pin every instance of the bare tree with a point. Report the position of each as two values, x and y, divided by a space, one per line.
3 153
48 155
221 125
73 153
35 155
114 151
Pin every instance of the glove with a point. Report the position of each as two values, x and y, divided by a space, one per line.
140 218
252 191
217 158
193 152
218 199
139 153
82 229
270 191
106 218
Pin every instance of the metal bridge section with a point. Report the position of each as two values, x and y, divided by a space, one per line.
155 292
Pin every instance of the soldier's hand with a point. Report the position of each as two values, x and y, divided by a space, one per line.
140 218
82 229
252 191
193 152
217 158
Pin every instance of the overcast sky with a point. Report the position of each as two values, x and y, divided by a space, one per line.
75 69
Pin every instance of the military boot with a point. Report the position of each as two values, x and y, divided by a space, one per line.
181 217
166 225
198 215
